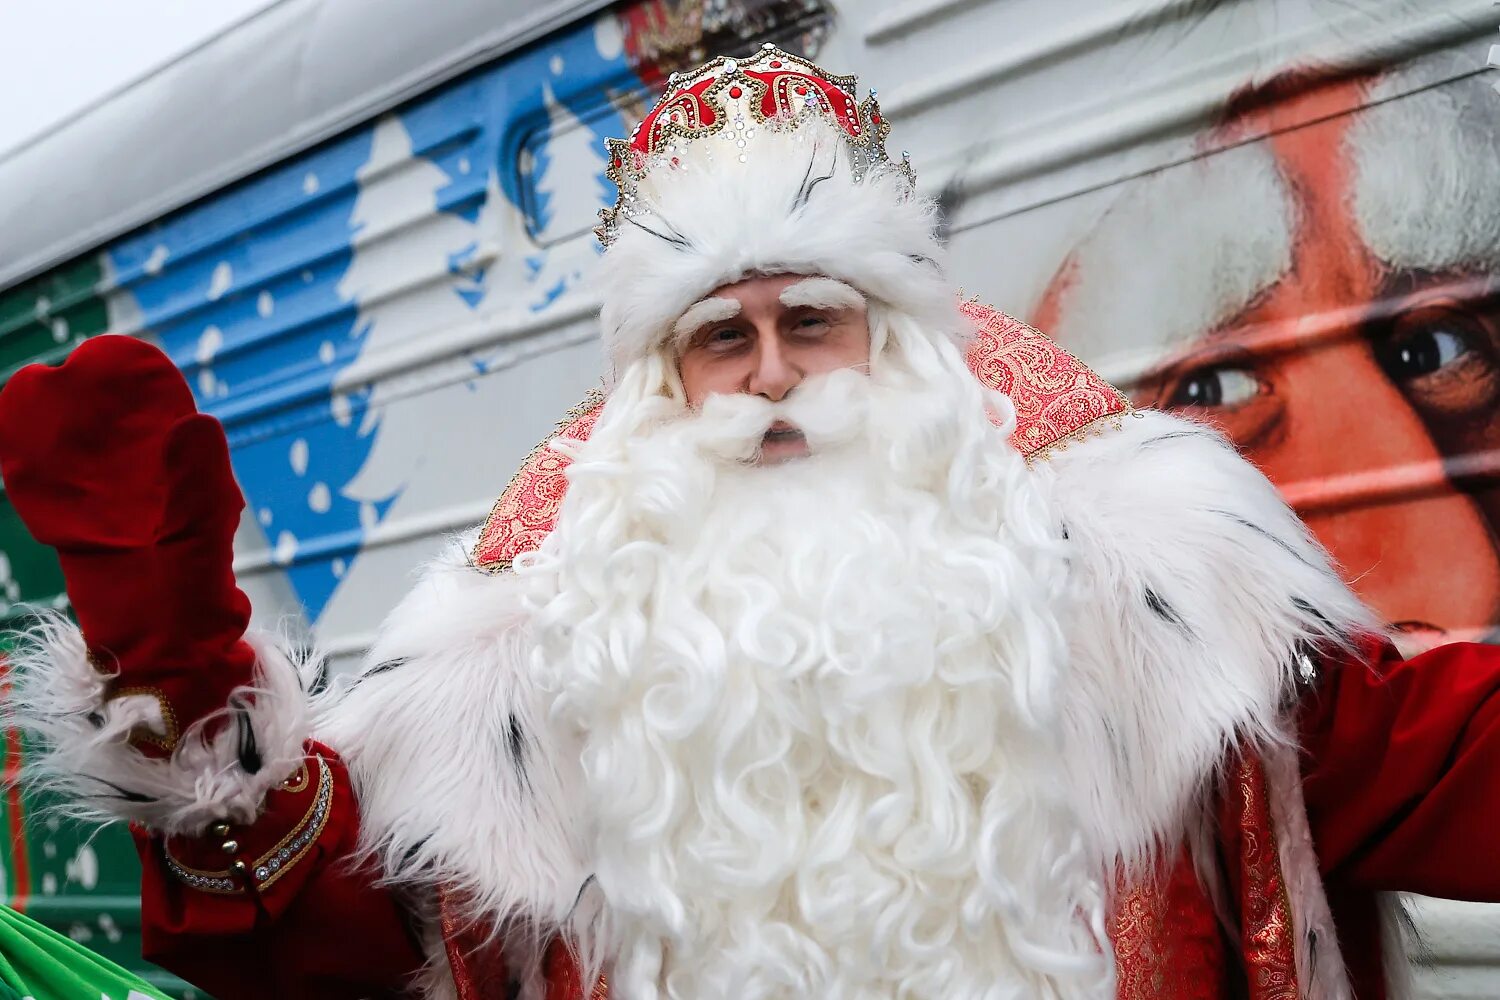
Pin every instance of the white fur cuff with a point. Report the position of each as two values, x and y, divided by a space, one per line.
83 755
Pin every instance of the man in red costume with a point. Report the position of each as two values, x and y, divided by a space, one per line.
857 644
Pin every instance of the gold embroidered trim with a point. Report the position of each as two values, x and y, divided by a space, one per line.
1268 932
1038 375
1128 407
298 779
1093 428
275 862
1097 427
144 733
591 401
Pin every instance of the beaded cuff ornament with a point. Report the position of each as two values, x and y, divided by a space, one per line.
730 99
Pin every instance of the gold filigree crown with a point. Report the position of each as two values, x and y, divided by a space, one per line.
731 98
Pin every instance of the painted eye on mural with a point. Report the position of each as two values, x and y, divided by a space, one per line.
1425 342
1214 387
1445 359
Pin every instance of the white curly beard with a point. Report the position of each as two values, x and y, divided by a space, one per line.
816 702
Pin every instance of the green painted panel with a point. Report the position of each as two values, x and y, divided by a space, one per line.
86 884
28 570
42 319
80 881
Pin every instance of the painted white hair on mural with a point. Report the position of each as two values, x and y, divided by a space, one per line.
818 701
1427 172
1177 255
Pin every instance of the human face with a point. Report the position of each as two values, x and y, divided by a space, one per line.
1365 387
764 336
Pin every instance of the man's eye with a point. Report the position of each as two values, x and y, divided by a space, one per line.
1214 387
811 322
1415 349
723 338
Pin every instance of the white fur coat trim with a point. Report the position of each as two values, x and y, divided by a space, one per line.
83 755
1320 963
439 734
1203 603
1200 601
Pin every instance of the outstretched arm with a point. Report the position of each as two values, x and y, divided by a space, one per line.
1403 771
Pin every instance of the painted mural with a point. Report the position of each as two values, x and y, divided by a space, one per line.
1320 279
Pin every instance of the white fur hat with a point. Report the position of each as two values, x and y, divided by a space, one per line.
762 166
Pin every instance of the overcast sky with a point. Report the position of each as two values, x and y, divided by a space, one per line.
58 56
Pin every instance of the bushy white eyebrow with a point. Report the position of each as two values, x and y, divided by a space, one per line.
714 309
822 293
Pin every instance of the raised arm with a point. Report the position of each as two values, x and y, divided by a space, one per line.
156 708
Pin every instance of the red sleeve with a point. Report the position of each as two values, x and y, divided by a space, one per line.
1402 771
296 920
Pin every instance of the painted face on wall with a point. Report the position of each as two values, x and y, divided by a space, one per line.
1329 295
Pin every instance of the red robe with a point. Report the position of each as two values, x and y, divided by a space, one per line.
1400 782
1401 772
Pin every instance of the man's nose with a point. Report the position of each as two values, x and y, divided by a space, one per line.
774 374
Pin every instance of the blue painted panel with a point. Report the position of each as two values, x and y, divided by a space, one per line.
256 292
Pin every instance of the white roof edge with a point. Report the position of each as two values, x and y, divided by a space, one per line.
40 135
318 68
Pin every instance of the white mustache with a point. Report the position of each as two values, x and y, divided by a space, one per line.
829 410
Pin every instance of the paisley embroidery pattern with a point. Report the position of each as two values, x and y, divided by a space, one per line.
1058 398
527 510
1167 940
1266 931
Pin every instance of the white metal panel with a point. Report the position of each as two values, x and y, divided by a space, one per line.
1463 941
1011 103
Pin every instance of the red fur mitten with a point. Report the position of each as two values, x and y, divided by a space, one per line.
107 460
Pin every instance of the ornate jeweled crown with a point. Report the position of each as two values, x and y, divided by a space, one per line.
729 99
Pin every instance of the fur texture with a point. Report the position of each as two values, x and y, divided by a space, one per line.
440 734
1401 947
1198 593
1191 599
59 697
817 702
712 220
1320 962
